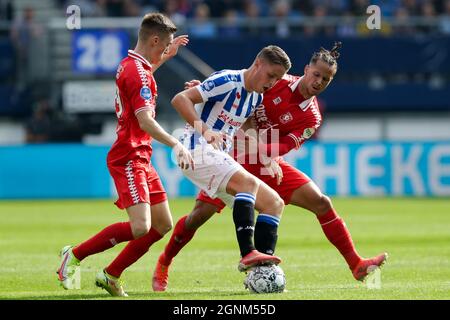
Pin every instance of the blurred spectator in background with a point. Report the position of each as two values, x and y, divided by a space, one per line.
445 18
411 7
6 10
427 11
401 19
202 11
202 27
359 7
230 28
252 13
347 28
281 10
319 13
305 7
122 8
218 8
38 127
172 10
24 32
89 8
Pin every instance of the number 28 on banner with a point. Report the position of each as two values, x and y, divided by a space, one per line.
98 51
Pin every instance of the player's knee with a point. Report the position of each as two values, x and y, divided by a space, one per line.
277 205
165 228
140 228
323 204
273 206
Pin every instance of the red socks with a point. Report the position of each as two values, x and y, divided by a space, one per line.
180 237
337 233
105 239
132 252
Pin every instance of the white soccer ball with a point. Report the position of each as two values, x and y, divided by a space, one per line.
266 279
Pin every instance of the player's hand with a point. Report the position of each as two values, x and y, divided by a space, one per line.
184 157
216 138
182 40
274 169
191 84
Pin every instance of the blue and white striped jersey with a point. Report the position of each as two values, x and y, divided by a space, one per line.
226 106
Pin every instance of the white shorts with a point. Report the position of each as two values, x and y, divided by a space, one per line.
212 170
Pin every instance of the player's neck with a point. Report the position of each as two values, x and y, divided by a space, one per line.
139 49
303 91
247 76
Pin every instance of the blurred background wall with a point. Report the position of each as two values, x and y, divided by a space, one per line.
386 128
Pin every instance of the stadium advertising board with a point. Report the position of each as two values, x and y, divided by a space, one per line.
369 169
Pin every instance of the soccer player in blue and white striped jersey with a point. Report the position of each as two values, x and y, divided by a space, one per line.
214 111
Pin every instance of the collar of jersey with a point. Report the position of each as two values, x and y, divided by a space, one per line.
137 56
306 103
294 85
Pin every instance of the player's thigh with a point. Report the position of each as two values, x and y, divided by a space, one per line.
213 171
161 217
242 181
310 197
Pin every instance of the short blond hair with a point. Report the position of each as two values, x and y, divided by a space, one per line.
275 55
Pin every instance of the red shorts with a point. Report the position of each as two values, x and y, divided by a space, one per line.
137 182
292 180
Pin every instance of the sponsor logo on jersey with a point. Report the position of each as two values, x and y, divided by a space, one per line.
285 118
308 133
146 94
208 85
228 119
277 100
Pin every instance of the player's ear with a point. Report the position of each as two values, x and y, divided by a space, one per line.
257 62
306 69
154 39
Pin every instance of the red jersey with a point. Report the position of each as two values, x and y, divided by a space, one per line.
286 110
136 91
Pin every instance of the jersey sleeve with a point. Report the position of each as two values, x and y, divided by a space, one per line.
293 140
138 88
216 86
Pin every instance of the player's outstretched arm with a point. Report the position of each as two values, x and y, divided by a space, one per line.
184 103
172 50
149 125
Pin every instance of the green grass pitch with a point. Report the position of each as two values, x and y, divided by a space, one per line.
415 233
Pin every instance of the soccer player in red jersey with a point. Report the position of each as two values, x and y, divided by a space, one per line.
291 108
138 185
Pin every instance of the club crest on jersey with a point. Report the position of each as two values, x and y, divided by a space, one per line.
146 94
285 118
208 85
308 133
277 100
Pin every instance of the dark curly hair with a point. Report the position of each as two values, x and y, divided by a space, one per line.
327 56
